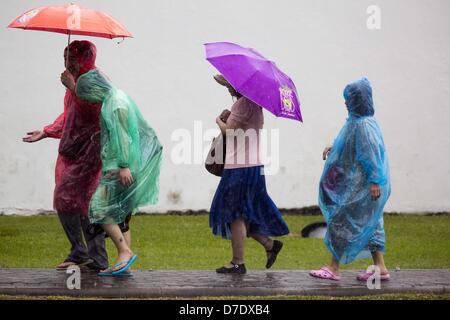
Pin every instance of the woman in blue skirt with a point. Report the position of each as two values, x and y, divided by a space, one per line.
241 206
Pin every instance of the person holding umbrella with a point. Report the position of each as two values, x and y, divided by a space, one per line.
78 165
355 187
131 158
241 206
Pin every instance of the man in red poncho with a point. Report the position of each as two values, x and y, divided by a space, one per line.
78 167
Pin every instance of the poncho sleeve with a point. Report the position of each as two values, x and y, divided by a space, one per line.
119 136
370 152
55 129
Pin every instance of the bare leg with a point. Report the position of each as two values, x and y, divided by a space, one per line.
378 260
127 236
266 242
238 235
334 266
124 252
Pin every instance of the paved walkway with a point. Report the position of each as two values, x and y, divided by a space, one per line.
152 284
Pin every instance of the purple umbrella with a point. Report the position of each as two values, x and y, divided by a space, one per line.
256 78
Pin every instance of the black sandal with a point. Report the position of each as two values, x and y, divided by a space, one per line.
276 248
236 269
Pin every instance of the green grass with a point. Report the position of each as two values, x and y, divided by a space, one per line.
186 242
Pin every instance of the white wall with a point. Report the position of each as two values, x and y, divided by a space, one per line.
322 44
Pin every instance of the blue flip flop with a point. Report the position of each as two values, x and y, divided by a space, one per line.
124 275
107 273
126 267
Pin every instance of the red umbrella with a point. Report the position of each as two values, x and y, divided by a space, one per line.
71 20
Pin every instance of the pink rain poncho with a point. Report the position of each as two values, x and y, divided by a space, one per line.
78 166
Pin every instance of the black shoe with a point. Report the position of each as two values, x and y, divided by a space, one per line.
95 267
236 269
277 245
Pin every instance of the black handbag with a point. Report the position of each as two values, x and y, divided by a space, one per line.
215 161
217 152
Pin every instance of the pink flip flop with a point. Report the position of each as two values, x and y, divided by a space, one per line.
324 273
366 275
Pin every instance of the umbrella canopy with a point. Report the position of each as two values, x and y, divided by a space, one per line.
256 78
72 20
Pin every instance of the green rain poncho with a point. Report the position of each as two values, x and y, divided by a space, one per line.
127 141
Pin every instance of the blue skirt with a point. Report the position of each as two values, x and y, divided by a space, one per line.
242 194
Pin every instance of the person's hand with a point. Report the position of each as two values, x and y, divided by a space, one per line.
219 121
375 191
224 115
68 80
326 152
125 177
222 125
34 136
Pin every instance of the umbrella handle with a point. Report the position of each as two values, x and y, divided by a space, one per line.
67 54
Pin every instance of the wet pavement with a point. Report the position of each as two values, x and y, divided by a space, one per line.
197 283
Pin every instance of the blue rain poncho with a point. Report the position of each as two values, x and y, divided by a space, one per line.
127 141
357 159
